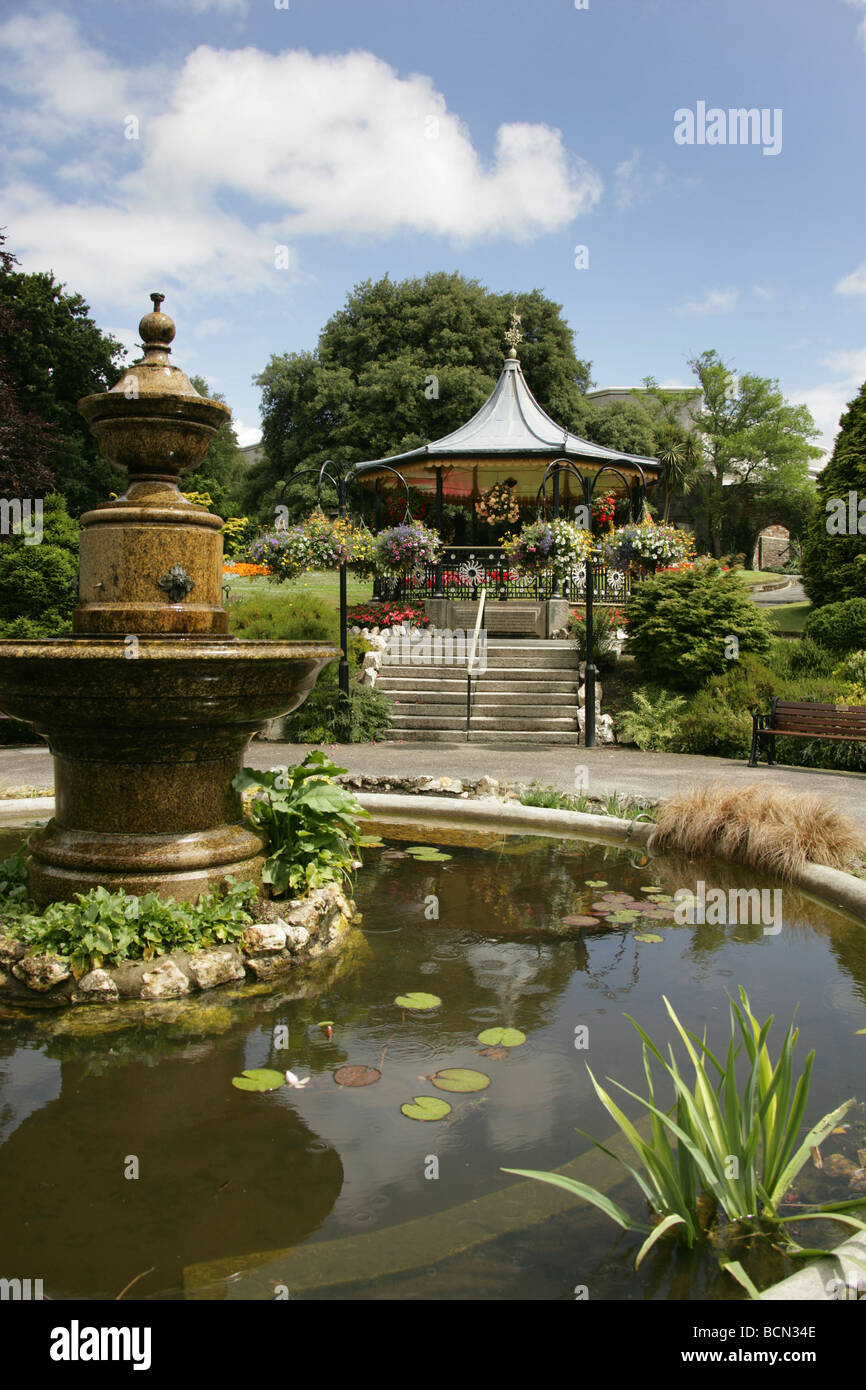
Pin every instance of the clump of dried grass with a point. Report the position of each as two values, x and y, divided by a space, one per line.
768 828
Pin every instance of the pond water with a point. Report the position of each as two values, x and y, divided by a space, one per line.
329 1191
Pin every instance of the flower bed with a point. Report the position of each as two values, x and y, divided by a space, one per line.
387 615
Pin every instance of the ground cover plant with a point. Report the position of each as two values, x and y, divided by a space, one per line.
719 1162
102 929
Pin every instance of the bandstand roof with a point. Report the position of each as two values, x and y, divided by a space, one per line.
510 436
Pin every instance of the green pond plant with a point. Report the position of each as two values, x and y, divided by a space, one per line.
721 1151
310 822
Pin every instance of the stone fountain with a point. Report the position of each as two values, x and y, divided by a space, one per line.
149 706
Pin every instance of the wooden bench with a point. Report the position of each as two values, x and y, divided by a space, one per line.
806 719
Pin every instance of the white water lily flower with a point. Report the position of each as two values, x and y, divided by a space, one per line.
292 1080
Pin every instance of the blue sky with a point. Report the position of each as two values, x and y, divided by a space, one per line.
487 137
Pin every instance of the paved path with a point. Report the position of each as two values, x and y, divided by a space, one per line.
792 593
616 769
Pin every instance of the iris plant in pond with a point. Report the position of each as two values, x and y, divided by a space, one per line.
719 1152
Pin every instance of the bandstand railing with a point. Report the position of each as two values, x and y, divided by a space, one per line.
464 570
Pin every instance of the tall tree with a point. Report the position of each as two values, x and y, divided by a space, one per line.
54 354
26 441
756 445
402 363
222 469
834 556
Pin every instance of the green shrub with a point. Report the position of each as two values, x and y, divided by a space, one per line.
852 669
39 583
716 729
840 627
654 719
802 657
680 625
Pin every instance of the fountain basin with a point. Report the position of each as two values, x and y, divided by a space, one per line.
147 734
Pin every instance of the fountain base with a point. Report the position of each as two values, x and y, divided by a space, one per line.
145 749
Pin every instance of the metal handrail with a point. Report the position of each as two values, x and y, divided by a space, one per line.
471 662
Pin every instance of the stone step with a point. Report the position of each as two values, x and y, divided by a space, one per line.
489 685
438 720
481 698
455 672
544 738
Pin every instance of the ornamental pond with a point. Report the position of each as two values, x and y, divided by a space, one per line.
127 1154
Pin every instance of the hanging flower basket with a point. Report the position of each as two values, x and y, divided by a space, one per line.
647 547
559 545
499 504
319 543
405 547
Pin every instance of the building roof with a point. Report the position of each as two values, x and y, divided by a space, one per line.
510 426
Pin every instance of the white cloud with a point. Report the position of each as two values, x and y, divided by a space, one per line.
861 5
855 283
828 400
247 150
247 434
713 302
634 185
676 383
763 292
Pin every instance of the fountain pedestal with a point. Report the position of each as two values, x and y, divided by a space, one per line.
149 707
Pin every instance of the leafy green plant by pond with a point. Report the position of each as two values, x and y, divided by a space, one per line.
720 1151
310 822
100 928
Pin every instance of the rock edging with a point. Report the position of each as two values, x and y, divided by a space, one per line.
297 932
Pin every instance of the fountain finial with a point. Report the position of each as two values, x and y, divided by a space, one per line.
156 328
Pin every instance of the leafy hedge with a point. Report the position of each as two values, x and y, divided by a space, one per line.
839 627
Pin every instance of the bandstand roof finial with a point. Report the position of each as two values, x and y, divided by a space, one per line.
513 335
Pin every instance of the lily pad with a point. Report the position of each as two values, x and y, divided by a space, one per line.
259 1079
426 1108
460 1079
427 852
624 914
502 1037
580 921
596 883
418 1000
356 1075
651 888
647 936
371 841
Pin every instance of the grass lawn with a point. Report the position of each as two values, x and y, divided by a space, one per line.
788 617
324 586
762 577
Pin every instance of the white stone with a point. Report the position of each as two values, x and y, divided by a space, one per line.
297 937
604 729
265 936
164 981
215 967
98 984
370 677
379 643
41 973
372 661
